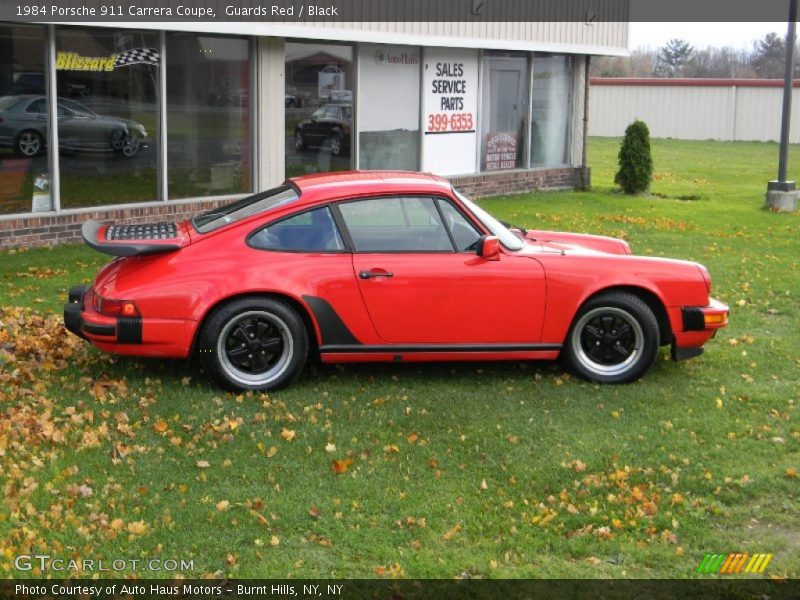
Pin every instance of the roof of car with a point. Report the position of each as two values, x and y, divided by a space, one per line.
346 182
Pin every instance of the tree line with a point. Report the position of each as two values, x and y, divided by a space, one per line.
678 58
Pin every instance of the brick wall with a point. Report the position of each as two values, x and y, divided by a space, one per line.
516 182
49 229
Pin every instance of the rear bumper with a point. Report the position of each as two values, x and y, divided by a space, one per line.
123 330
698 325
126 335
73 310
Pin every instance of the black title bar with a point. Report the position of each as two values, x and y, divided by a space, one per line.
588 12
387 589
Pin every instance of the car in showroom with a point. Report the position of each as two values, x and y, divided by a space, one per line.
383 266
23 127
328 127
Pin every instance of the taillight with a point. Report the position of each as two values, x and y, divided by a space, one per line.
115 308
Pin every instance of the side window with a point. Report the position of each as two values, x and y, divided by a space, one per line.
395 225
311 231
38 107
464 233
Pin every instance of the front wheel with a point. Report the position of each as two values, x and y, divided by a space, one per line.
254 344
614 339
131 145
337 140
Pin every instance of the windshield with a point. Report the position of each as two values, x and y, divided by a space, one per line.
508 239
246 207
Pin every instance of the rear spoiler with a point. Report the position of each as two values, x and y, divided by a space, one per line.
94 234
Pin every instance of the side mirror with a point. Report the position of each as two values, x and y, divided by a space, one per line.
488 247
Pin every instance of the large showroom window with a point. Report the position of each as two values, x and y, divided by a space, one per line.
504 111
107 84
389 105
319 107
208 115
24 173
552 92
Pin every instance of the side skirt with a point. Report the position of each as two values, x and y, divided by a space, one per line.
438 353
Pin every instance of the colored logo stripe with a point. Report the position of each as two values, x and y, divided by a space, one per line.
734 562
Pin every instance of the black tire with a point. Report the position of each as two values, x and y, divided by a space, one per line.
613 339
337 139
299 141
117 139
254 344
29 143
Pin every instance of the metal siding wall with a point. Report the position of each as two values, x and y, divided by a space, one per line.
610 35
692 112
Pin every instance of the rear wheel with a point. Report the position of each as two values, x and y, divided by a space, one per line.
28 144
254 344
614 339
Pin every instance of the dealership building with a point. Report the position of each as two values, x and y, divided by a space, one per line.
156 121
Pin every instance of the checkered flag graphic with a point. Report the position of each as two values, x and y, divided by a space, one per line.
138 56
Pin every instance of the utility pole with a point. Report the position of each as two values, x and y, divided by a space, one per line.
781 193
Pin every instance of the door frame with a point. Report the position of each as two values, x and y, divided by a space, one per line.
487 56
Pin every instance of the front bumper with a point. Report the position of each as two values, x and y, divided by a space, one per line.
698 325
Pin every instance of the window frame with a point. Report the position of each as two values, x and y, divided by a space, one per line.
467 218
329 205
257 197
348 239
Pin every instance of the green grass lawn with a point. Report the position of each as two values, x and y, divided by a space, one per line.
483 470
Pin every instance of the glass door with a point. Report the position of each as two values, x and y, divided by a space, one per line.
504 111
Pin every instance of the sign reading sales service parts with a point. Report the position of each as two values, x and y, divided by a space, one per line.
450 110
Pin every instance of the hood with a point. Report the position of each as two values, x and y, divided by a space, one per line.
559 241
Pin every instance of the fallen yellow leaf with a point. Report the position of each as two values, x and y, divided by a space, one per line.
341 466
137 527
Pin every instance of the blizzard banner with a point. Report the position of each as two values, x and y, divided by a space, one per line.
72 61
590 12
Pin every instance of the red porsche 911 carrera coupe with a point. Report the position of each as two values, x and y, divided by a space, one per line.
383 266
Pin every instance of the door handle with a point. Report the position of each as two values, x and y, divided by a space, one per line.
370 274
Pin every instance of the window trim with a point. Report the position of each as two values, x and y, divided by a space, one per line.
257 230
465 217
433 197
256 197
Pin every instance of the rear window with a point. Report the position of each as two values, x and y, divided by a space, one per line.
246 207
7 102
